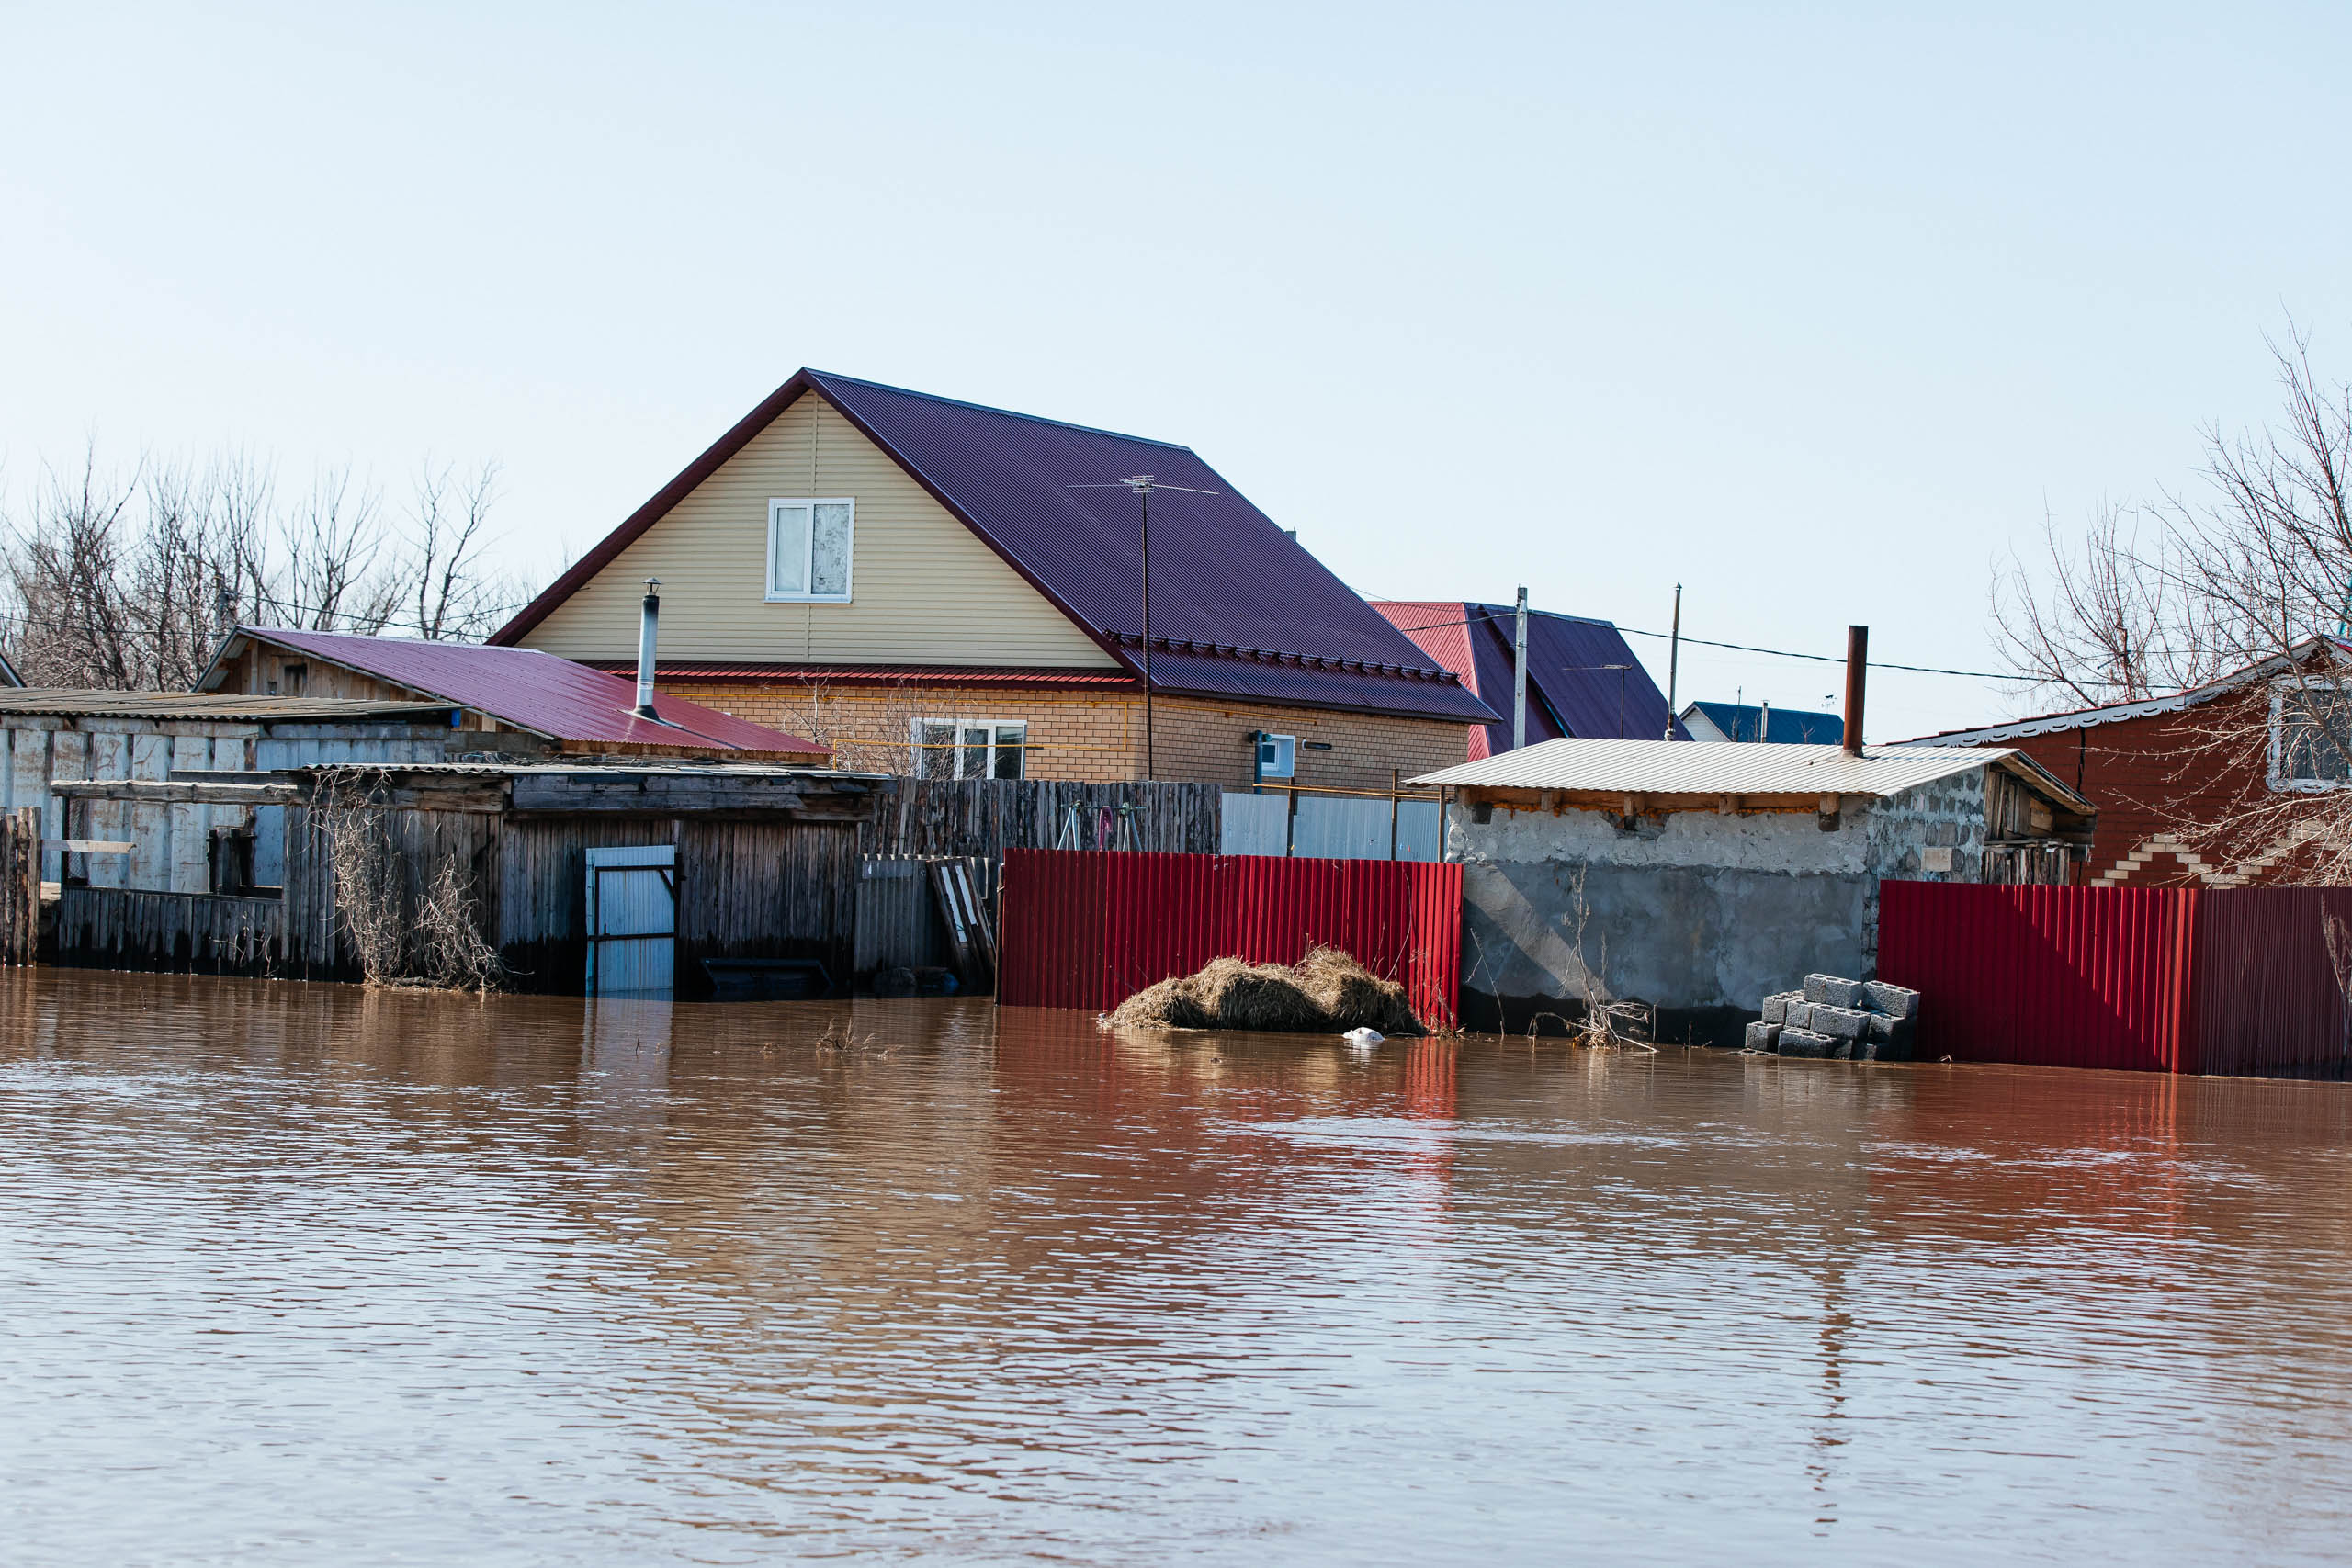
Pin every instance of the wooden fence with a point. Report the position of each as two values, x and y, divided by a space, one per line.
199 933
19 884
985 818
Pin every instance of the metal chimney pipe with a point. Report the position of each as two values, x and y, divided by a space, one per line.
645 638
1519 678
1858 660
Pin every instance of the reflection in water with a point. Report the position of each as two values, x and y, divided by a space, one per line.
293 1273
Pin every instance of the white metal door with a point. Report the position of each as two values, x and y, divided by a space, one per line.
632 920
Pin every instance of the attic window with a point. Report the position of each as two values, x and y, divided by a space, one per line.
2310 735
809 549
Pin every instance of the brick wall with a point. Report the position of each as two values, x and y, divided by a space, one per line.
2150 777
1093 736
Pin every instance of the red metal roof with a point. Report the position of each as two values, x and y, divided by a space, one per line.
1575 683
871 674
1251 612
529 690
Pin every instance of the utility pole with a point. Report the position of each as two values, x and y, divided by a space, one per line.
1674 661
1143 494
1519 679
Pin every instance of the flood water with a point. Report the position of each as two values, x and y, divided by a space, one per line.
301 1274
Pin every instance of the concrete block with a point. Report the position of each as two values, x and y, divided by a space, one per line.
1776 1009
1830 988
1797 1015
1888 1030
1884 1051
1763 1036
1839 1024
1895 1002
1805 1042
1843 1050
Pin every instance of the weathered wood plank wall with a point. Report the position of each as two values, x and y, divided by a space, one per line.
541 893
19 884
767 891
203 934
987 817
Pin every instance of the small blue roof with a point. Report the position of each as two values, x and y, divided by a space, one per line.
1790 726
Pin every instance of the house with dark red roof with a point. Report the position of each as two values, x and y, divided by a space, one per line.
552 703
934 586
1582 678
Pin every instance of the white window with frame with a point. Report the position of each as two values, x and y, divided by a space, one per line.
2310 735
971 748
809 549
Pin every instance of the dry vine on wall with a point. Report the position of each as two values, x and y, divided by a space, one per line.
437 943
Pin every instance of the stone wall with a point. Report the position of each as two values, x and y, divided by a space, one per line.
1699 912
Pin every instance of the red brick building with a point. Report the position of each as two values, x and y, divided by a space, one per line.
2155 771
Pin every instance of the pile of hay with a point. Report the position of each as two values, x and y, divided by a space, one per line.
1325 993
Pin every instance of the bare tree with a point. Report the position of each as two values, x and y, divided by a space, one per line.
453 598
2249 572
127 579
2103 620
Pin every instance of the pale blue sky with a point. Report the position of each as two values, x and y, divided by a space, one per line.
1813 308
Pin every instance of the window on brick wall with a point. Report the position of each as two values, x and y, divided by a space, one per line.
972 748
2310 735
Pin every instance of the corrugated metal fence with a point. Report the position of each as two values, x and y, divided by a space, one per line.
1086 929
2236 981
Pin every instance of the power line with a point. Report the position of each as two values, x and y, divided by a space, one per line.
1745 648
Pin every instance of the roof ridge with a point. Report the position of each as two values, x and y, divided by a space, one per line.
821 377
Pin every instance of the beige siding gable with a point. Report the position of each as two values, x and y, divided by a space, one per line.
926 589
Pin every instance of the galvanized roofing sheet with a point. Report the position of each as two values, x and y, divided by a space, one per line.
1676 767
534 690
87 702
1572 688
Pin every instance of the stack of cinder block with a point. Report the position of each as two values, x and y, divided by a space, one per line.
1860 1020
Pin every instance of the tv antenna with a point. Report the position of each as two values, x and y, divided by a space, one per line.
1143 485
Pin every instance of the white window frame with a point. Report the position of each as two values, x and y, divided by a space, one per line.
809 551
961 724
2278 780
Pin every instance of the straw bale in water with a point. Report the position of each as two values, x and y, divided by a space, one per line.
1326 992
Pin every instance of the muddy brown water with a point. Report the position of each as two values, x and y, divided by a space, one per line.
296 1274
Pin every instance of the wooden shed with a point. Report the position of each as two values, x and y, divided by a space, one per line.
666 877
57 734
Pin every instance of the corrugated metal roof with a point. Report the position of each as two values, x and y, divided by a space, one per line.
663 768
1667 767
1793 726
531 691
1571 690
84 702
2117 713
871 674
1224 578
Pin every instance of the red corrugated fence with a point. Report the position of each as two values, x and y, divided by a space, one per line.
2158 979
1088 929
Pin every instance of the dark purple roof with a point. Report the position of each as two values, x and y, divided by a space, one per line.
529 690
1237 608
1571 690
